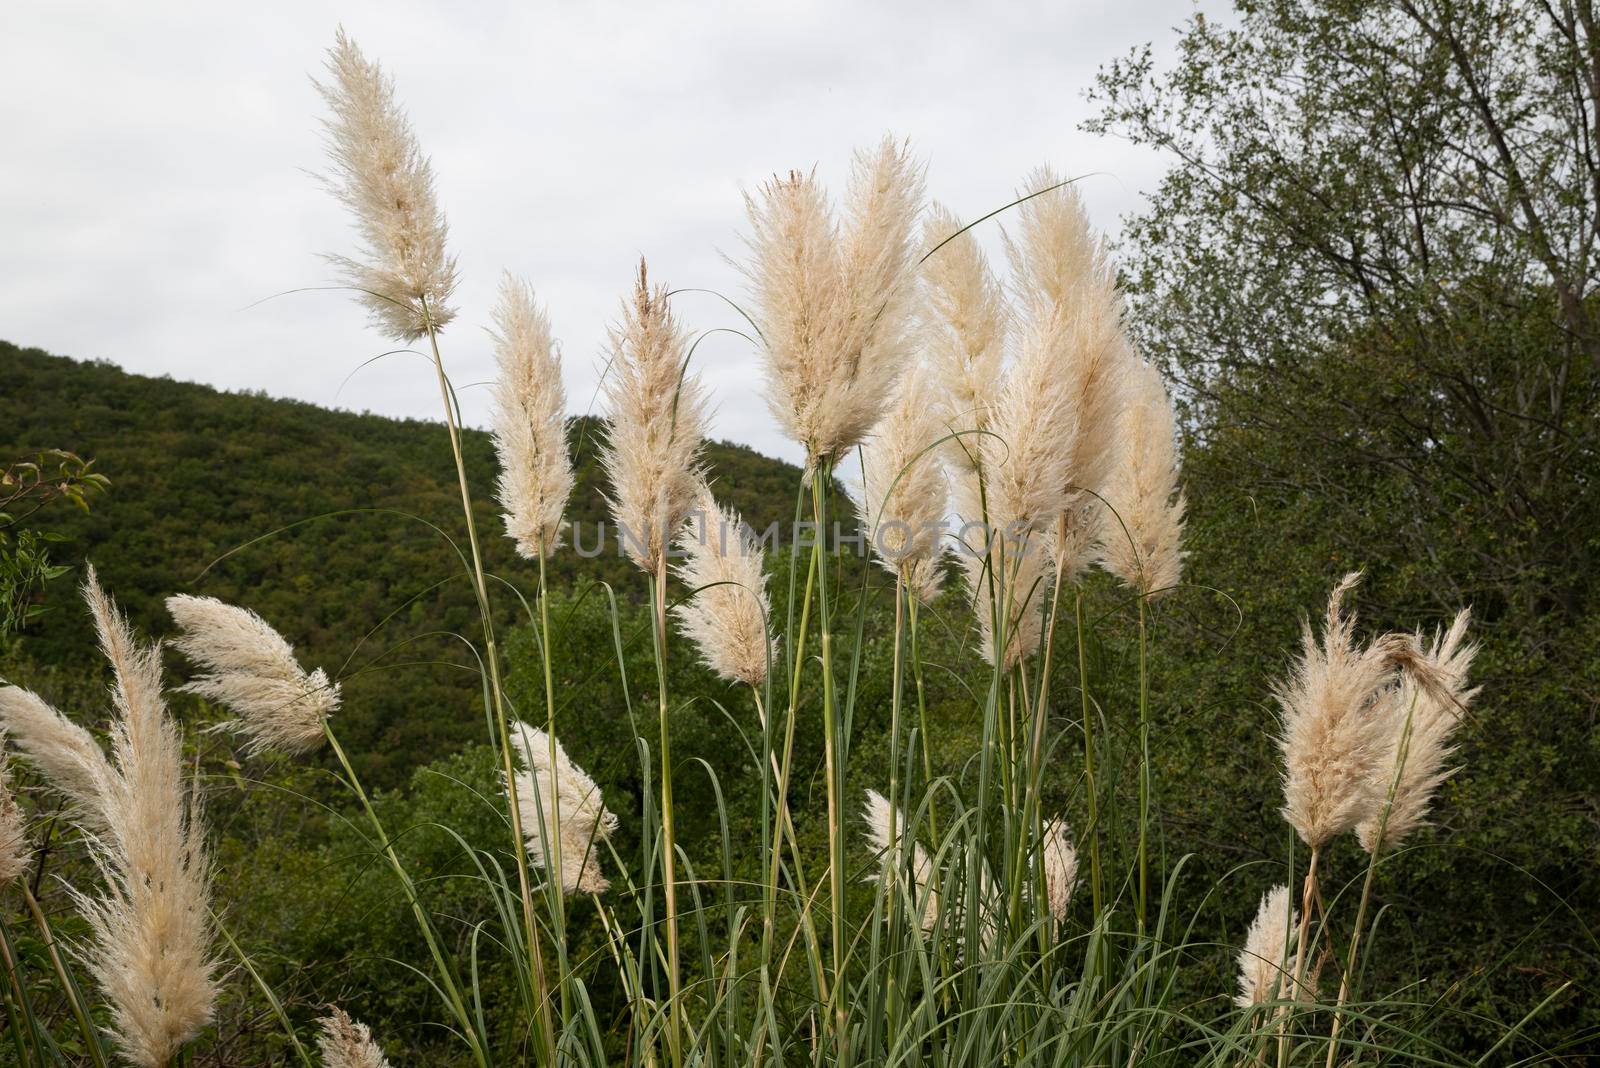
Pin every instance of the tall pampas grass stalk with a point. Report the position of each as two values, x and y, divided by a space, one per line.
551 782
406 280
658 415
1420 711
72 761
249 668
150 949
347 1043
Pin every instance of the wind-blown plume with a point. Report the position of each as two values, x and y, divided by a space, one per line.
904 492
963 329
72 761
833 303
658 421
727 616
151 944
567 798
15 853
1433 711
1143 532
1334 734
1060 867
1267 945
345 1043
529 423
879 813
405 274
251 670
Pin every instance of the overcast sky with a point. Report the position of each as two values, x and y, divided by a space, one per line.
158 176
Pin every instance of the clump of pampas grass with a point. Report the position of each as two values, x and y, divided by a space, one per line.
658 417
904 492
832 302
1141 539
1418 718
151 931
347 1043
880 813
529 422
405 275
71 760
1262 975
1334 733
249 668
560 794
727 615
15 853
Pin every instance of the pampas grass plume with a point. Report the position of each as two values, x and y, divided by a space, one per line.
1333 735
151 930
405 274
1060 867
658 417
529 422
963 329
72 761
832 302
726 617
1141 540
1267 946
1434 709
904 493
250 668
561 791
879 812
347 1043
15 853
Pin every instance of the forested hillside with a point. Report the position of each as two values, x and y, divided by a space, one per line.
321 520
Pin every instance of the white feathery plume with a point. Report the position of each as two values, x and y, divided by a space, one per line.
72 761
832 303
530 435
405 274
658 417
1060 867
567 799
879 813
1434 709
249 668
15 853
1334 735
151 945
727 616
347 1043
1263 974
904 493
1142 535
1020 579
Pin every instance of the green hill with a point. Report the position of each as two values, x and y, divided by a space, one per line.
318 519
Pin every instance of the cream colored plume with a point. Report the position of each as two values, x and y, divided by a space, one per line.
1069 305
1013 573
833 302
405 273
72 761
1141 540
726 616
1334 734
150 949
1434 711
15 852
346 1043
963 324
250 669
904 494
879 813
557 794
1267 948
530 433
658 417
1060 867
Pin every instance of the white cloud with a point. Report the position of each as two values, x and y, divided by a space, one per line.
158 180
